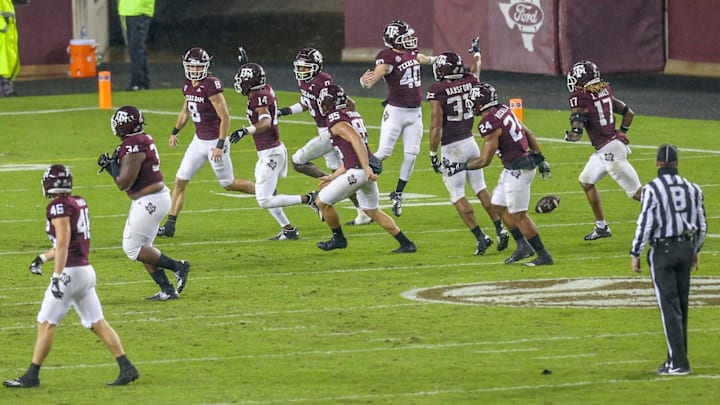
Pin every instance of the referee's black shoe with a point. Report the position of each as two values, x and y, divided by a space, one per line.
665 369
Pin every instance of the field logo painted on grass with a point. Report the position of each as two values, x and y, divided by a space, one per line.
565 293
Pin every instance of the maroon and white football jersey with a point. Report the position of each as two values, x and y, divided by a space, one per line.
150 170
513 143
601 120
345 148
202 112
404 80
309 92
457 117
264 97
76 208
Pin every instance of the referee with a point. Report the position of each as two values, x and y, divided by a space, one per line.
672 221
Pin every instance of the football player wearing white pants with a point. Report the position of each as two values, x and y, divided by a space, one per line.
593 108
135 169
204 104
251 81
399 66
72 282
520 155
308 68
355 175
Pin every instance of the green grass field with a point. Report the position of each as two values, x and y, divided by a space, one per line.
265 322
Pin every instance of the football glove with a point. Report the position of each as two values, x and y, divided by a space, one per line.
242 55
453 168
544 168
474 46
103 162
238 135
572 136
284 111
36 266
435 162
55 287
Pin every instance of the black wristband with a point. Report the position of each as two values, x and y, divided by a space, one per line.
175 131
624 128
220 143
285 111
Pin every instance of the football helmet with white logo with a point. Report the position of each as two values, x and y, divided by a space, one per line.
482 96
581 75
448 65
330 98
196 63
308 63
57 180
399 35
127 121
250 76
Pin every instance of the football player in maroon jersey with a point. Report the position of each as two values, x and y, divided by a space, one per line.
73 280
358 173
135 169
520 155
204 104
308 68
451 126
593 108
399 65
251 81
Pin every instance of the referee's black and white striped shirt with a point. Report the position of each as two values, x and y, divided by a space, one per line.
671 207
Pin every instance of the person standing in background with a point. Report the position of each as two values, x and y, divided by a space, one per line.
9 57
135 18
672 221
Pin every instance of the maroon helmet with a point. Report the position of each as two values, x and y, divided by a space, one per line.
582 74
448 65
482 96
250 76
127 121
57 180
330 98
196 63
399 35
308 58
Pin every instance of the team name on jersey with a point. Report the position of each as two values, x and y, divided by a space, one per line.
407 64
463 88
600 94
307 94
195 99
501 111
353 114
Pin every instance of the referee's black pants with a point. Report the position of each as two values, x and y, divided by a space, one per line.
670 263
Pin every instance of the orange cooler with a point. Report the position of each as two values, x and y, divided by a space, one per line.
82 58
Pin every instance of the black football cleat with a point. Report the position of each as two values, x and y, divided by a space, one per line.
181 274
397 198
522 252
503 237
126 376
333 243
163 296
411 248
22 382
543 259
483 245
598 233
